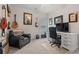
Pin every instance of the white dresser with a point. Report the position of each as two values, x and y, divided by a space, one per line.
69 40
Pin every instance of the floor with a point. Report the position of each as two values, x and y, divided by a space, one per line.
39 46
74 52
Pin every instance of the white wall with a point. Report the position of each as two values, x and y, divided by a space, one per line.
65 10
43 18
0 11
19 17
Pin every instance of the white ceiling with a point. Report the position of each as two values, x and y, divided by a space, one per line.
46 8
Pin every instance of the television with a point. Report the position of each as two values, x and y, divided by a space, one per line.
59 27
62 27
65 27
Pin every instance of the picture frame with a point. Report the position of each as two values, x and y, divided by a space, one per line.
73 17
27 18
50 21
58 19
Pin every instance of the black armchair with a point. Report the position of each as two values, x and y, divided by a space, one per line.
18 41
56 39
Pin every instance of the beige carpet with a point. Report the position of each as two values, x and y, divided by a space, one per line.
39 46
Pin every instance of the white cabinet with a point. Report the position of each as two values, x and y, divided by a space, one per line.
69 40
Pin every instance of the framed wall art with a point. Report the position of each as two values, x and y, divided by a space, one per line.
73 17
50 21
27 18
58 19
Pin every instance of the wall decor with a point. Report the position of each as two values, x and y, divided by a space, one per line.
27 18
73 17
8 25
3 20
14 23
8 11
58 19
50 21
3 11
36 22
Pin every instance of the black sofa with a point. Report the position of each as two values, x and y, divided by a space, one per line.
18 41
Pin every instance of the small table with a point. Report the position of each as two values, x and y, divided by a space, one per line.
37 36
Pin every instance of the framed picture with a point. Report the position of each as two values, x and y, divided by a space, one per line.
27 18
73 17
50 21
58 19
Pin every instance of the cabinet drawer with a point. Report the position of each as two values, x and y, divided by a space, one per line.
67 46
67 42
67 37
